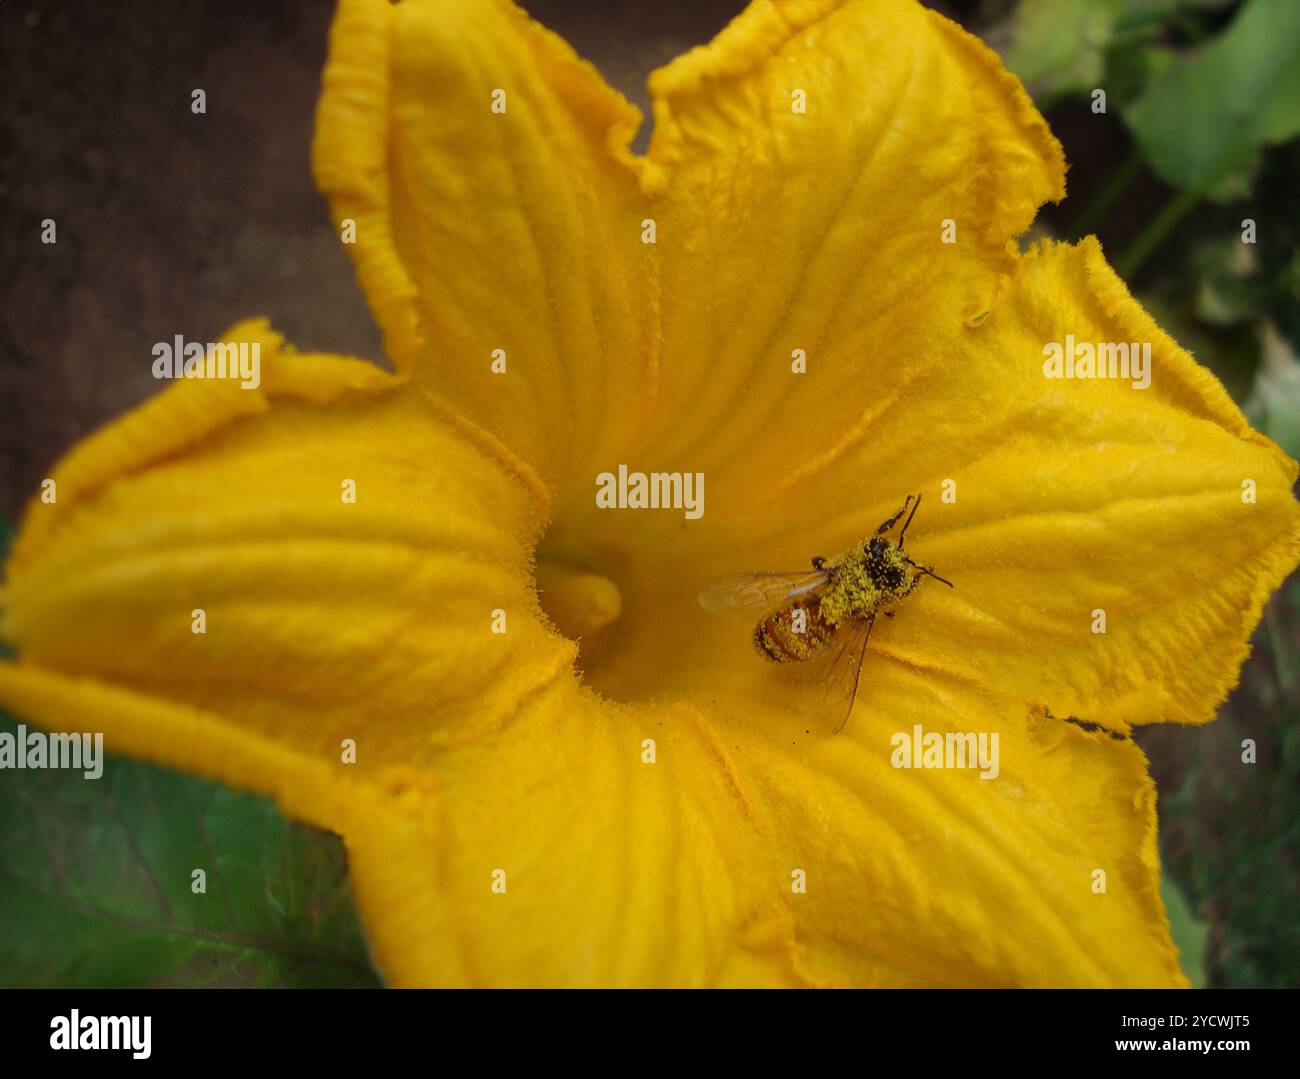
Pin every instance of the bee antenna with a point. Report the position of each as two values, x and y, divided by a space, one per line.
915 507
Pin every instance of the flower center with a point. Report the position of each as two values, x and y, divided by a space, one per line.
580 604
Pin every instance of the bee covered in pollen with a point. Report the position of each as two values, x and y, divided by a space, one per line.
824 618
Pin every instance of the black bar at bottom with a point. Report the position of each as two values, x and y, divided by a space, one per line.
337 1028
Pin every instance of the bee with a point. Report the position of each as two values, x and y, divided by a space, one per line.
824 618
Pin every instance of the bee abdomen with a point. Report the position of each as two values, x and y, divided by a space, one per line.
778 638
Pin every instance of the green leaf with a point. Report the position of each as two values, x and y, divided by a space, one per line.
1139 11
1188 931
95 885
1202 122
1059 45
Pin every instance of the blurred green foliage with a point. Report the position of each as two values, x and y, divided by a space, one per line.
96 886
1188 931
1199 117
1242 92
1230 832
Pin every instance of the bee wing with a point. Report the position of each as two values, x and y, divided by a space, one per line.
752 591
840 680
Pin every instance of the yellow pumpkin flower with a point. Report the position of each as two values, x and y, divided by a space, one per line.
607 786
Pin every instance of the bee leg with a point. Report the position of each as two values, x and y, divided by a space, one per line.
895 519
819 562
929 573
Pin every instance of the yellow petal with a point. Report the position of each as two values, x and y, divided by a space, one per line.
737 858
1043 874
1078 505
618 867
582 845
639 846
1158 510
345 547
483 234
327 620
610 870
817 236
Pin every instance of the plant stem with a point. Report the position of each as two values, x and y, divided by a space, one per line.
1155 232
1119 182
